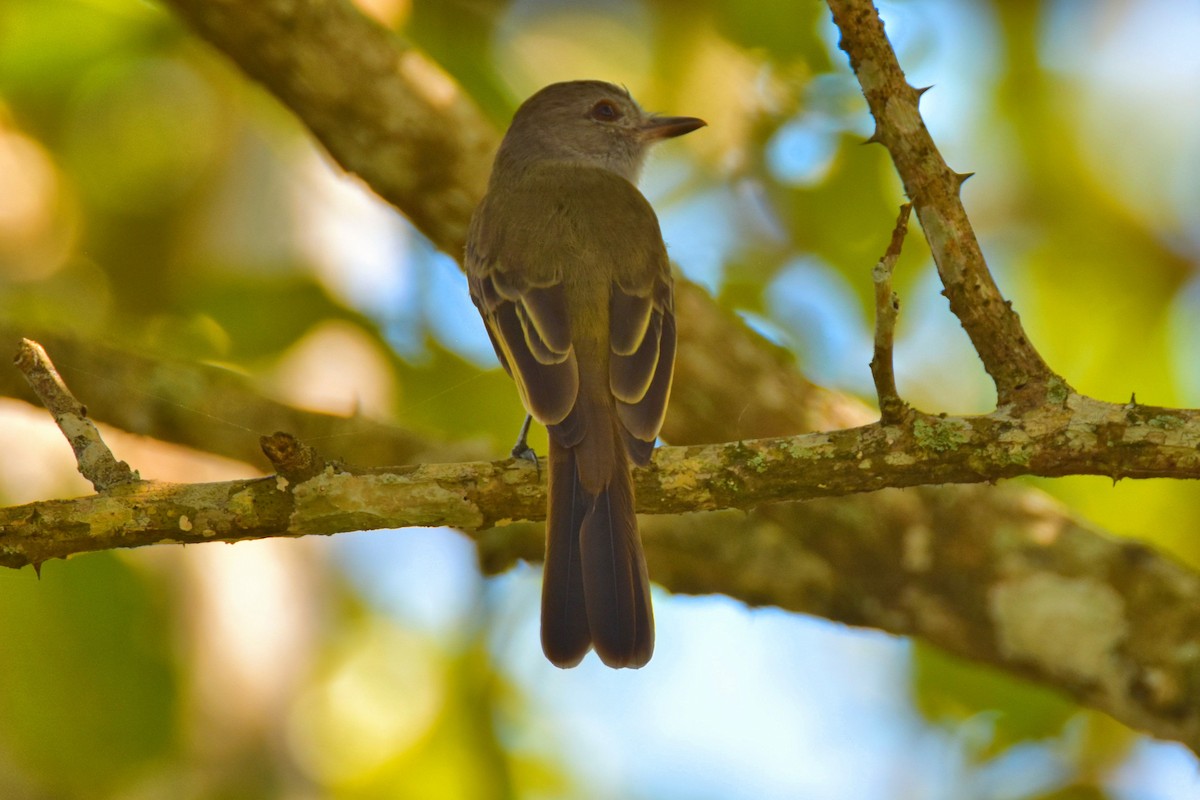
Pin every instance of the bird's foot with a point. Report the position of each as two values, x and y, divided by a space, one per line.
522 450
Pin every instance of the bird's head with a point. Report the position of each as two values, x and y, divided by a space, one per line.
588 122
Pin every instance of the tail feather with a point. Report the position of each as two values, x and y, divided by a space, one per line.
595 589
566 637
615 582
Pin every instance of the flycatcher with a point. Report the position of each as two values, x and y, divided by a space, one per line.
567 266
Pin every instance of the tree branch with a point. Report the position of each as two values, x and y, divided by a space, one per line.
1009 357
1079 437
1106 621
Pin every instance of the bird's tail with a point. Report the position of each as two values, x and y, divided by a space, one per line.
596 591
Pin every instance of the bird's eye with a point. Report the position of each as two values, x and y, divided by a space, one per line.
606 111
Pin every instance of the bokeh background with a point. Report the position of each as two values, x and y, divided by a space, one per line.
154 199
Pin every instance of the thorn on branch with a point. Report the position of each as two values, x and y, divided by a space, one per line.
94 460
887 306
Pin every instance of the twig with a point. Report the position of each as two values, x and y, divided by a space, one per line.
291 458
891 408
212 408
92 456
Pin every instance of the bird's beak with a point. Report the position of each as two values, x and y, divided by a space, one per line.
657 128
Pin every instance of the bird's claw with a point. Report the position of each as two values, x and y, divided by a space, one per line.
522 450
525 452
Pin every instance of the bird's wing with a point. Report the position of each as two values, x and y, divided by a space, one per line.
530 332
522 303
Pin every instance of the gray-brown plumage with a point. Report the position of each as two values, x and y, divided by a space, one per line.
567 266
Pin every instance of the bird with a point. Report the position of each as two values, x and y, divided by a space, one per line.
566 264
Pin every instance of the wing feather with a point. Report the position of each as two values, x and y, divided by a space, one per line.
629 314
643 419
548 390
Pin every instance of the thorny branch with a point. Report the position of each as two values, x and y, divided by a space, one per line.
1010 358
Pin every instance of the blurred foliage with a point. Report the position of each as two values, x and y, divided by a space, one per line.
88 690
154 197
1000 710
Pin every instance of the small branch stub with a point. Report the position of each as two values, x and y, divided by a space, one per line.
291 458
93 458
887 306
